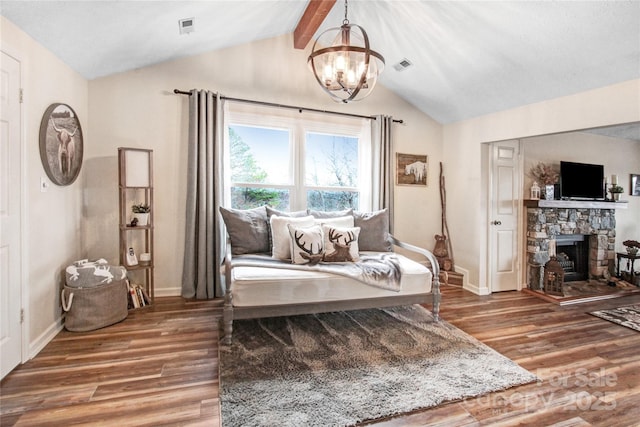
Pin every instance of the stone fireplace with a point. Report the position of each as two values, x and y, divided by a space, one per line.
580 234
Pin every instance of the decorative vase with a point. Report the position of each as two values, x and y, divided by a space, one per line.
631 250
143 219
549 192
615 196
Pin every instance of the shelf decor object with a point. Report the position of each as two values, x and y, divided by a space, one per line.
135 185
615 191
535 191
547 176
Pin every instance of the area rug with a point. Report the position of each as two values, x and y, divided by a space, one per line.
338 369
628 316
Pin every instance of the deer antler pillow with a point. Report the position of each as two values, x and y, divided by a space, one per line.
307 245
341 244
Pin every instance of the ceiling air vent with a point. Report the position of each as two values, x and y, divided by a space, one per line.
186 25
403 65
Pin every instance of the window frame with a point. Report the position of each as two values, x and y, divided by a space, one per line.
298 127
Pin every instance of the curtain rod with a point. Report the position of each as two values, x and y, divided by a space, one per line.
292 107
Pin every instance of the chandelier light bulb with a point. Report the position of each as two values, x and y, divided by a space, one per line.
328 72
351 77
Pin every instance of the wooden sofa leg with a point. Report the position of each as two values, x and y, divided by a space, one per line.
227 318
436 302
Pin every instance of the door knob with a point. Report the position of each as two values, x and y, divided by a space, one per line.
496 222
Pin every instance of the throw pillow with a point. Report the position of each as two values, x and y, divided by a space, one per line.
330 214
294 214
341 244
248 230
339 221
271 211
280 237
307 245
374 235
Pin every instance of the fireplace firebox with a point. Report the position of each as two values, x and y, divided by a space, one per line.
572 253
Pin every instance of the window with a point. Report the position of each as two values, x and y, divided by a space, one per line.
291 163
331 171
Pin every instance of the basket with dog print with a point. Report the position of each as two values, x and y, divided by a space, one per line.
95 295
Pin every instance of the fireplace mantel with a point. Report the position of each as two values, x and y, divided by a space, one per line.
575 204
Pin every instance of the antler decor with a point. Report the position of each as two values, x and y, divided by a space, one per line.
308 254
341 251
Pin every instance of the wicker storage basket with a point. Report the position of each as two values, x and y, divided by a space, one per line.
95 296
94 308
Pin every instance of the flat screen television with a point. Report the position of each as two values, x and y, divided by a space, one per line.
581 181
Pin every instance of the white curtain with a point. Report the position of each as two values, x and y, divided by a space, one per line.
204 244
382 165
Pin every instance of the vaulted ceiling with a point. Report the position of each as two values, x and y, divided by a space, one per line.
469 58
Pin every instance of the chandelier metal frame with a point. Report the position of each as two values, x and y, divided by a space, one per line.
346 85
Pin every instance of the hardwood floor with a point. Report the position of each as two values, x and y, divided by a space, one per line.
159 367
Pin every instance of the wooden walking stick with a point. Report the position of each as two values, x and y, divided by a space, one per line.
447 252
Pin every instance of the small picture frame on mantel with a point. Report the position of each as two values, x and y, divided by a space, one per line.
634 188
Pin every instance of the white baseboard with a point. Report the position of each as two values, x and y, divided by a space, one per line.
168 292
465 275
476 290
468 286
39 343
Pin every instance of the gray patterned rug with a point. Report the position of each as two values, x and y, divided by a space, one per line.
338 369
628 316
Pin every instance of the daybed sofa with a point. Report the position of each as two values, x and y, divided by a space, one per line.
288 263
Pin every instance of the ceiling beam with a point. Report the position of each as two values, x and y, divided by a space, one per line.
311 19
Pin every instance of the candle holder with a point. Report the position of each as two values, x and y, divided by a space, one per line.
535 191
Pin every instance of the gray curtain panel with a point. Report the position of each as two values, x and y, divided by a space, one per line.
383 165
204 245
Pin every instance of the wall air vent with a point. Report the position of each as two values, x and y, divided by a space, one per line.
403 65
186 25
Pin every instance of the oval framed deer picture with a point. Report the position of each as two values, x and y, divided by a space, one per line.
61 144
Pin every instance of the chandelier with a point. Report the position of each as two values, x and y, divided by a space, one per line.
343 63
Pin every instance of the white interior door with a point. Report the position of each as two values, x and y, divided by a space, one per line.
503 218
10 214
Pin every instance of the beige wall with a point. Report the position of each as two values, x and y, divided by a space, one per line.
53 219
465 158
139 109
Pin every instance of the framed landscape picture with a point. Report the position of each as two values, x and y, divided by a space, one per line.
61 144
412 169
635 185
